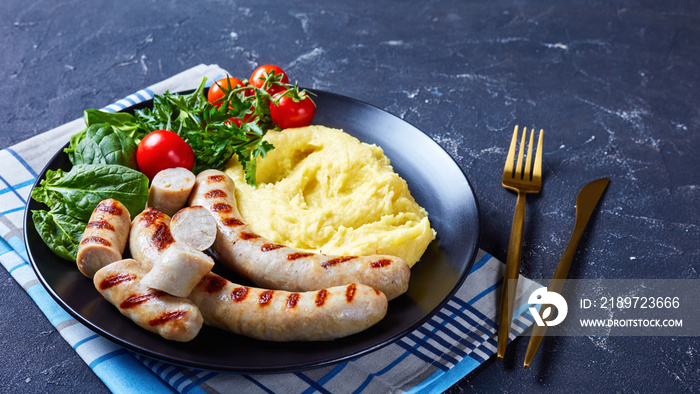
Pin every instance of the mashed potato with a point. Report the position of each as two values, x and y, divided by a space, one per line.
323 190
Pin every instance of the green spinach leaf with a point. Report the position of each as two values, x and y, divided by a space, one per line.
61 233
104 144
76 193
122 121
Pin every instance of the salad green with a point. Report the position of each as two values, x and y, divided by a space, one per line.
104 153
72 196
209 130
104 144
76 193
62 233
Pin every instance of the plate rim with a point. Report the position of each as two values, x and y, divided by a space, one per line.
280 369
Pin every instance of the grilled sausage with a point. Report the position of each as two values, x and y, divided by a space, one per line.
173 318
276 315
194 226
104 238
170 189
178 270
275 266
149 236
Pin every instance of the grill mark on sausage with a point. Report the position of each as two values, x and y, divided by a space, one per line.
215 178
138 299
150 215
270 247
115 280
246 236
100 224
221 207
298 255
337 260
292 300
239 293
321 297
380 263
95 240
265 297
109 206
216 193
166 317
350 291
162 238
213 283
231 222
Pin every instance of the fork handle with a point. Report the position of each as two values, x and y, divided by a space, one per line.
510 279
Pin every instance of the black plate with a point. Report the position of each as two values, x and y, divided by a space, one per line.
436 182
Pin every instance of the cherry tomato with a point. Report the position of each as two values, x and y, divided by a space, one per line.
248 118
248 92
235 121
258 78
163 149
290 113
216 92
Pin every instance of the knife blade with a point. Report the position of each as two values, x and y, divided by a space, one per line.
586 201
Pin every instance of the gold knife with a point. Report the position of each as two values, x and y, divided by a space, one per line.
586 202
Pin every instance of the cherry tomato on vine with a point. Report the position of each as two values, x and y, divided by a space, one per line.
258 78
216 92
290 113
248 118
163 149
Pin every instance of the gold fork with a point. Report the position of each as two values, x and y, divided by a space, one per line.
522 180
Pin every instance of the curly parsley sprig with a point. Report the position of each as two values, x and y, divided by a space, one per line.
236 125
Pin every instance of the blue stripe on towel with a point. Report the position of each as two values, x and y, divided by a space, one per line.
258 383
441 341
18 186
12 210
4 247
381 372
114 366
423 343
327 377
485 259
184 378
53 312
311 382
415 351
85 340
176 370
105 357
23 162
194 386
18 245
13 190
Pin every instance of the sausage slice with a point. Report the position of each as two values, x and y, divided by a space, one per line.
104 238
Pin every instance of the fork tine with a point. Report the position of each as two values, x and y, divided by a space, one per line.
537 171
511 154
528 163
521 152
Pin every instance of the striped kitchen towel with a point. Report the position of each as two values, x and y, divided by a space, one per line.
430 359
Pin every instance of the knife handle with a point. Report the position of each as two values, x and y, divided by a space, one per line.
534 344
510 279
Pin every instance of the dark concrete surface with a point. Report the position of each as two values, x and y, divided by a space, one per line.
614 84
